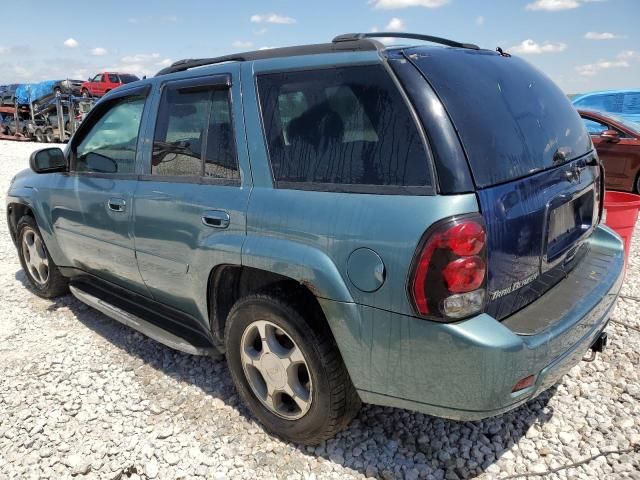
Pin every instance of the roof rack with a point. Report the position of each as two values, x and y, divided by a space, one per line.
346 46
350 42
350 37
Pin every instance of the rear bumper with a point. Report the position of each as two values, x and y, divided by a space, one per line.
467 370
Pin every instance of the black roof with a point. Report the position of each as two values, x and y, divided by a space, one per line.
349 42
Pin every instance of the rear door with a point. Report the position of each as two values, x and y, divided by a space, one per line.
532 161
190 204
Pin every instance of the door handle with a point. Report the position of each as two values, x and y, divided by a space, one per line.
216 219
116 204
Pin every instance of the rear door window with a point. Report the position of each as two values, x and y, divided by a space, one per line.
194 135
348 127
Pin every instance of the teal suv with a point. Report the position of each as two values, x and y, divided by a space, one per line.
417 226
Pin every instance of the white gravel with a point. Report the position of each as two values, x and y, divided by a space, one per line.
82 395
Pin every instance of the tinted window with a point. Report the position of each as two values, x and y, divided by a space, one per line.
110 145
512 119
126 78
608 102
194 135
113 78
631 104
341 126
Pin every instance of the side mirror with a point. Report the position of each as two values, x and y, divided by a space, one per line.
48 160
611 136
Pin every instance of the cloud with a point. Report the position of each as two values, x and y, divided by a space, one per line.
622 60
71 43
99 51
241 44
395 25
530 47
140 64
394 4
601 36
132 20
260 31
272 18
4 50
140 57
480 20
557 5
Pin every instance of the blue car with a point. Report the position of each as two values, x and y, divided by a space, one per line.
415 226
624 103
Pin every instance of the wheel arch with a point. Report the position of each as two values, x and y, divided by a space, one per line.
229 283
15 211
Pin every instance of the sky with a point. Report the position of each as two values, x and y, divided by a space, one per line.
583 45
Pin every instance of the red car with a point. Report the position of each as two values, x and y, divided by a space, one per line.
105 82
617 141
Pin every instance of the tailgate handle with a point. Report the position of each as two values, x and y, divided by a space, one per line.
216 219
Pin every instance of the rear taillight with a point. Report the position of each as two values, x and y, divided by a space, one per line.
449 274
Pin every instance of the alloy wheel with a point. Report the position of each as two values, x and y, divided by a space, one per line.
276 370
35 256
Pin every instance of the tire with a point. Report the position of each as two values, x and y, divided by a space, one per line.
39 136
330 398
48 135
46 285
85 93
637 184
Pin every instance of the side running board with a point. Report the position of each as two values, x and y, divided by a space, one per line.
146 328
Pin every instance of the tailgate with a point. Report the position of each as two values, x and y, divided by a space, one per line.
536 174
536 229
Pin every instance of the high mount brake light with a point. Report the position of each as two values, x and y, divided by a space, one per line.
449 276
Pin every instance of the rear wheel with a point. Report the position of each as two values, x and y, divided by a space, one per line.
287 370
48 135
637 184
39 135
85 93
42 272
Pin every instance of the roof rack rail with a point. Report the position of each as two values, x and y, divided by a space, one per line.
350 37
357 44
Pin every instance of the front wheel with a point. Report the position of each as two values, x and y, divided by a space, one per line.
288 371
41 271
85 93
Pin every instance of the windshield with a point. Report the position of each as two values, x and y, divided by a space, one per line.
126 78
512 119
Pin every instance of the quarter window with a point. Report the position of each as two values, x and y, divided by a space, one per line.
110 145
194 135
347 126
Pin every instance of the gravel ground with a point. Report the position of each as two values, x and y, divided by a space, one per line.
82 395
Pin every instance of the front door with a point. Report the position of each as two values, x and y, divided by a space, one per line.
190 206
91 206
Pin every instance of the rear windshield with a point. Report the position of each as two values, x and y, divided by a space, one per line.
511 118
